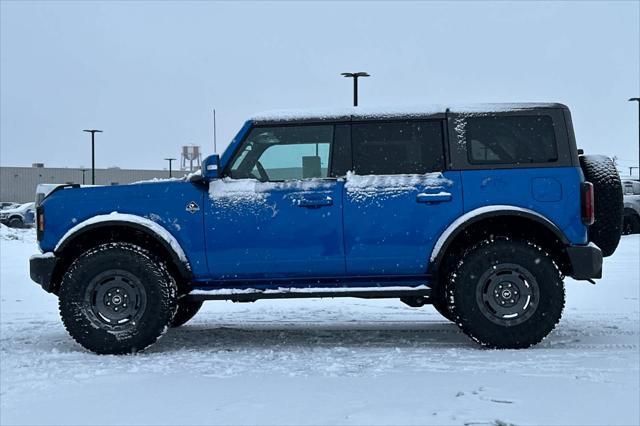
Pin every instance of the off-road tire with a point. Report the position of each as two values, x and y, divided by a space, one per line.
489 265
87 299
440 302
187 309
609 206
15 222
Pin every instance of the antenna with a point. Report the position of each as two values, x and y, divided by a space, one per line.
215 148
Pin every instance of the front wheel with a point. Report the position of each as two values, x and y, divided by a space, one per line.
117 298
506 294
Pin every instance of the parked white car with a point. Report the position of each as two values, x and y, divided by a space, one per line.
631 191
19 217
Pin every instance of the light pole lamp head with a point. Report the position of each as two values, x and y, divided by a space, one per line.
355 74
634 99
92 131
170 159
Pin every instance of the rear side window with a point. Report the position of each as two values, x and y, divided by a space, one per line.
510 139
403 147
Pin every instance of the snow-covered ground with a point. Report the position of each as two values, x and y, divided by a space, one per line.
342 361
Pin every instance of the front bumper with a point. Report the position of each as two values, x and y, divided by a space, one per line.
586 262
41 267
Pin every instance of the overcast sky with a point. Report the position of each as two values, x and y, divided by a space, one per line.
149 73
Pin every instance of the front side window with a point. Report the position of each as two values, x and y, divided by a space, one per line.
510 139
402 147
279 153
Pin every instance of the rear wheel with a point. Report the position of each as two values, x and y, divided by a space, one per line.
186 310
117 298
506 294
440 303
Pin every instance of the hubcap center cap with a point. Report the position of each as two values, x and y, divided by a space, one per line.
116 300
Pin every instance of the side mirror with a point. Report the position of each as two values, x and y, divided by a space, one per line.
211 167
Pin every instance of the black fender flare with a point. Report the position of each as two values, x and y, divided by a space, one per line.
470 218
156 231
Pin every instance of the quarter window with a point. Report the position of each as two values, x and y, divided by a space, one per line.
389 148
510 139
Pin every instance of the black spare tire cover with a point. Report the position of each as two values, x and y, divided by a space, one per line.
607 188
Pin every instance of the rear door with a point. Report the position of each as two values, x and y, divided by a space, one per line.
278 213
398 199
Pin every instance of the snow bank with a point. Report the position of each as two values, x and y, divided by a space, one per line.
122 217
7 233
10 234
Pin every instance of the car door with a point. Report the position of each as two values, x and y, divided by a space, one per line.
278 212
398 199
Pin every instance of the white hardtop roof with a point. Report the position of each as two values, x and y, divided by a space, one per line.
392 112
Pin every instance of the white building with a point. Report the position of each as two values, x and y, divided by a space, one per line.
18 184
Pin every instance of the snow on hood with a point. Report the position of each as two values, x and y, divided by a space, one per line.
159 180
10 234
20 209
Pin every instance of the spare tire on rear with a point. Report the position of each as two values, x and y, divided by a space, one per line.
607 192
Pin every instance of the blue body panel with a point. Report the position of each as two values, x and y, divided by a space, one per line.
390 229
162 202
553 192
270 230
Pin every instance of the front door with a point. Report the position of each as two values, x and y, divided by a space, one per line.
397 201
278 212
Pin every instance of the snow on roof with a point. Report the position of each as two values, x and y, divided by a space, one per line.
390 112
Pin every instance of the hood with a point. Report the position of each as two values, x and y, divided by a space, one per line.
20 209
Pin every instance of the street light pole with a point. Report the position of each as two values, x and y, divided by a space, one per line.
170 160
638 101
93 153
355 76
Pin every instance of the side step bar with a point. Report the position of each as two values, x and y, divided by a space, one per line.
250 295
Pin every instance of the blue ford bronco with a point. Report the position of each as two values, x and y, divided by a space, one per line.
480 211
